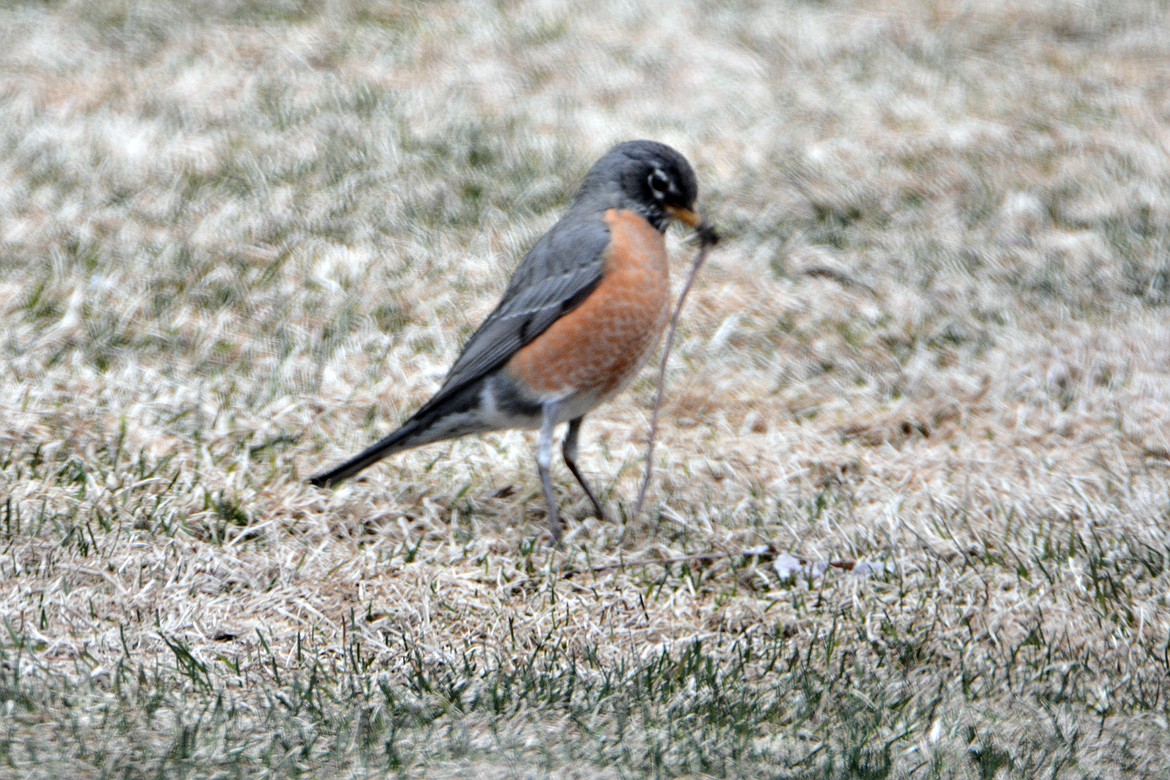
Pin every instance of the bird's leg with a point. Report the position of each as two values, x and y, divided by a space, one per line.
569 450
544 461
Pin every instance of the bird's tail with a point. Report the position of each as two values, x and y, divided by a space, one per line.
452 414
402 439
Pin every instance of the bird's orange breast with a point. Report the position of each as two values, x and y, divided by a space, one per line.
599 346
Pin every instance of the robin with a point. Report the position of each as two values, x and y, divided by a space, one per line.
582 313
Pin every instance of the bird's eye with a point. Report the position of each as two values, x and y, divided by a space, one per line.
659 184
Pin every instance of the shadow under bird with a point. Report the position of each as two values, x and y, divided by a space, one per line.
580 316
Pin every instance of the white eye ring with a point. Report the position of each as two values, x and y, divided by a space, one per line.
659 184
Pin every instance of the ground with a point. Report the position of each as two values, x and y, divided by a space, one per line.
910 513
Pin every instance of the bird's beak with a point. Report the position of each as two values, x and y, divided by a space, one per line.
691 218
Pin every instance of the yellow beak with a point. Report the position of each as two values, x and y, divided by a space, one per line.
707 232
691 218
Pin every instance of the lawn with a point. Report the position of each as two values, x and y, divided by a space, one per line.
910 514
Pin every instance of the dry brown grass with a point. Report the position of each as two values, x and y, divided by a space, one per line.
239 241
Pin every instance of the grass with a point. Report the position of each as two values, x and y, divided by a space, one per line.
910 509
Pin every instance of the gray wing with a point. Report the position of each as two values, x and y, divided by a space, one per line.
556 275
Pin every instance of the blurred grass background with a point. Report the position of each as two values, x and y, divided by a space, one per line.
239 241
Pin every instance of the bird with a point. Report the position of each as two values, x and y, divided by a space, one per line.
582 313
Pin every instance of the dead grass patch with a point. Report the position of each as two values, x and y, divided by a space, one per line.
238 242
